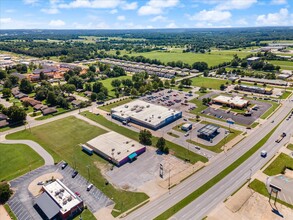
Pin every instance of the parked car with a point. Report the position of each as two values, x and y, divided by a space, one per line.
64 165
89 187
74 174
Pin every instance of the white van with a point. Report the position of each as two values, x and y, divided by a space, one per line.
89 187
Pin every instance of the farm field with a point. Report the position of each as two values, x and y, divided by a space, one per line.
18 160
213 58
285 65
208 82
61 139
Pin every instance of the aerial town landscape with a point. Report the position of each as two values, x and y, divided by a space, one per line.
149 109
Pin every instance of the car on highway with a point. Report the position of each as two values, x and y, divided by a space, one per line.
64 165
74 174
263 153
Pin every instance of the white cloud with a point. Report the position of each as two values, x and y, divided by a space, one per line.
159 18
211 16
228 4
5 20
280 18
171 25
279 2
154 7
30 2
113 11
57 23
90 25
129 6
50 10
242 22
10 11
235 4
92 4
121 17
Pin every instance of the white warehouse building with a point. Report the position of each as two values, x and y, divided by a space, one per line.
145 114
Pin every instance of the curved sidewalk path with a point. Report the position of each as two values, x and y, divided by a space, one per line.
35 146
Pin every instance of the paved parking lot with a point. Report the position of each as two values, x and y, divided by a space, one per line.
94 199
241 119
140 171
171 99
21 203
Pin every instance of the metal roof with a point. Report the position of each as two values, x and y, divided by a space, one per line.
208 129
49 207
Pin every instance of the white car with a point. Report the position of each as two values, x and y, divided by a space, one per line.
263 153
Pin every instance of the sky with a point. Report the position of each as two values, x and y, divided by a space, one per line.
143 14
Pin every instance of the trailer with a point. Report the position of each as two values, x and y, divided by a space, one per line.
87 149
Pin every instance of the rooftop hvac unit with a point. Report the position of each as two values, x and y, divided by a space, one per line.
119 153
148 106
159 116
126 106
69 198
62 190
146 119
132 145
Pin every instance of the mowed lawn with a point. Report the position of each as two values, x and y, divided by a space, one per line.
213 58
61 139
279 165
208 82
16 160
285 65
107 84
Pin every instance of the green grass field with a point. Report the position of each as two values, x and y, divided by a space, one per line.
208 82
179 151
285 95
260 187
61 139
16 160
279 164
213 58
290 147
107 84
285 65
108 108
9 211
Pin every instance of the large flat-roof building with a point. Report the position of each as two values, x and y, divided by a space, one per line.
116 148
233 102
145 114
208 132
255 89
58 202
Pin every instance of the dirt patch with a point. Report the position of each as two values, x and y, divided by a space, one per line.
289 173
35 189
235 202
3 213
177 173
256 207
104 213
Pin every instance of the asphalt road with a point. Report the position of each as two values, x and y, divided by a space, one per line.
200 207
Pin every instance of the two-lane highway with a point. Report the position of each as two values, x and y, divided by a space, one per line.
158 206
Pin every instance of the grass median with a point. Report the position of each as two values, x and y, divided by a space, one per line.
201 190
179 151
